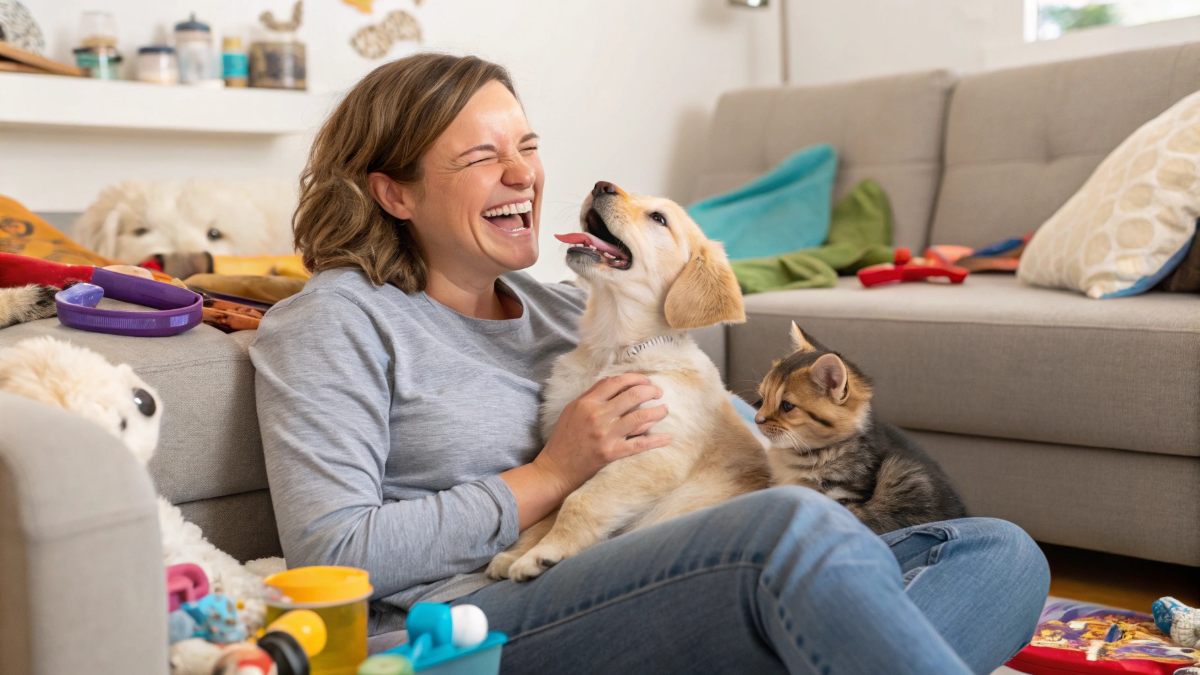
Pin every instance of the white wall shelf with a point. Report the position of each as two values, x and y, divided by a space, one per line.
48 101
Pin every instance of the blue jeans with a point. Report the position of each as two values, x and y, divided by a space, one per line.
782 580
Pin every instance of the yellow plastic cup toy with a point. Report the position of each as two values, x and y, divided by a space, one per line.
339 596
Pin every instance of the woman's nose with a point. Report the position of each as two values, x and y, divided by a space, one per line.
519 174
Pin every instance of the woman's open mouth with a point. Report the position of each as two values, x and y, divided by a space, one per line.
513 218
598 243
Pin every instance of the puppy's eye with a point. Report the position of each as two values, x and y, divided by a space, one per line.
214 234
144 402
124 424
786 407
757 405
141 232
659 218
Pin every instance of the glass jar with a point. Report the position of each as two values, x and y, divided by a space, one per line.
97 29
157 64
277 62
194 47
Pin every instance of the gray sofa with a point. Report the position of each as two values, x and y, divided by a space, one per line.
1077 419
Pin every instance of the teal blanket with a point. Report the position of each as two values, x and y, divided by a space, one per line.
784 210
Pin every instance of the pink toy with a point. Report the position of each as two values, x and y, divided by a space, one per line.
907 268
186 582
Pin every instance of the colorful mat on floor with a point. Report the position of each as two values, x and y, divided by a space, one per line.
1076 638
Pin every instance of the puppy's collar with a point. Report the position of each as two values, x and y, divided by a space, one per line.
628 353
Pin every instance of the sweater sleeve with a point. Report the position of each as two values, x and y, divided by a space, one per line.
324 395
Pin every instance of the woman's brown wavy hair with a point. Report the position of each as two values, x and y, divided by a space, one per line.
386 123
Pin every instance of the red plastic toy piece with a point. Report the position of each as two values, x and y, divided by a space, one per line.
906 268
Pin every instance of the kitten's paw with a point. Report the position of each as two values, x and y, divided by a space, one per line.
531 565
501 564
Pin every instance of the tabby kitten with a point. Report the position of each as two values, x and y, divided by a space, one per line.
816 411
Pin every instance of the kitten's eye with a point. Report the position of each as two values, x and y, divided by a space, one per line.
141 232
144 402
214 234
786 407
658 218
757 405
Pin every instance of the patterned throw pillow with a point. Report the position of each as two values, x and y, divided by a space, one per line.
1133 220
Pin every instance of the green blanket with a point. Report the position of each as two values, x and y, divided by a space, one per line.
860 234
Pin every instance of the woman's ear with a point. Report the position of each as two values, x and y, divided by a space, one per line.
391 195
706 292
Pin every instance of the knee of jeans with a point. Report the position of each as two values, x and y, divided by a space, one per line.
1026 562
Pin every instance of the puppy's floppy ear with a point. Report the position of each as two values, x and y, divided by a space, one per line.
706 292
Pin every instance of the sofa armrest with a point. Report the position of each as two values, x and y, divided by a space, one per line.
82 586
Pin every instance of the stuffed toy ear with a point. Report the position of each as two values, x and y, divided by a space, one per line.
800 341
706 292
829 372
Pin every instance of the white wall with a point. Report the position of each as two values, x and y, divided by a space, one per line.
619 90
850 39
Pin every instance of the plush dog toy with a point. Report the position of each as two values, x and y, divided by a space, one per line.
134 219
114 397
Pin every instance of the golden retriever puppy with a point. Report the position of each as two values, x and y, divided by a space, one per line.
652 276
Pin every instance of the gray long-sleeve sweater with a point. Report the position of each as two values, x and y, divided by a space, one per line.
386 419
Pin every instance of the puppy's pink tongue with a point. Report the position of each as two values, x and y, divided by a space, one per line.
586 239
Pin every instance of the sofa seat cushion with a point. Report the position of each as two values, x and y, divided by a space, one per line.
209 444
996 358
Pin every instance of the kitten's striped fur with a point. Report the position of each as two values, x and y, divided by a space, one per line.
816 410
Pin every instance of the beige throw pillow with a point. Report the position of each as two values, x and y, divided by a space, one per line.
1133 220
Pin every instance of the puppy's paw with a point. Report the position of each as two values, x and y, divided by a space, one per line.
26 303
500 565
539 559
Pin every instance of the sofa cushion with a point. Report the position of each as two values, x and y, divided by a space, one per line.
1020 142
209 444
889 129
1132 222
995 358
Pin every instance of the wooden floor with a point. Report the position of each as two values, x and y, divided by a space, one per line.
1118 581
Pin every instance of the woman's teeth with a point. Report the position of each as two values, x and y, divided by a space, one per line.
509 209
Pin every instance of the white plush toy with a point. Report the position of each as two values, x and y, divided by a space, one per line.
61 374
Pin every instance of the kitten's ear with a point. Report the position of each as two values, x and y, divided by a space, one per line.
830 372
799 342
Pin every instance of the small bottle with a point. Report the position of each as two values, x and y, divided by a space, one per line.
235 65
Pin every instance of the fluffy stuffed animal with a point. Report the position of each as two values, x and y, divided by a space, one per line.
133 220
114 397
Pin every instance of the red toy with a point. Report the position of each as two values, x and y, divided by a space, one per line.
906 268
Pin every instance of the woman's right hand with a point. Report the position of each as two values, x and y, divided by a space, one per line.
604 424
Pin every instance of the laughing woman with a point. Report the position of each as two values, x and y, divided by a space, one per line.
398 395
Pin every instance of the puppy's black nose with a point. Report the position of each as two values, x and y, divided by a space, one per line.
604 187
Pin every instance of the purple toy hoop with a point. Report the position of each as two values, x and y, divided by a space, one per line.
176 309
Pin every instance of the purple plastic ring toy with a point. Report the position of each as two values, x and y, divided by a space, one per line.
175 309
